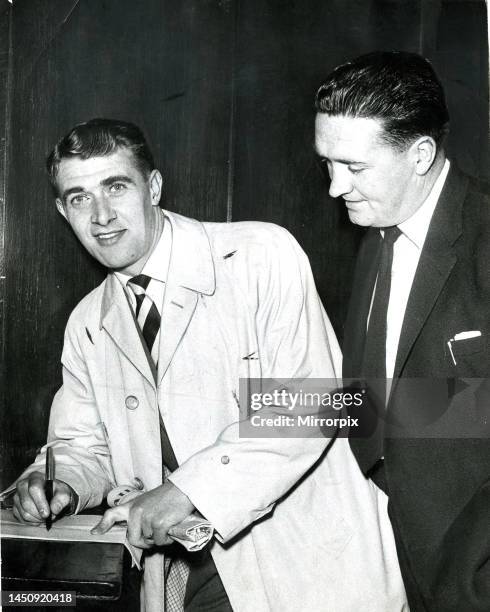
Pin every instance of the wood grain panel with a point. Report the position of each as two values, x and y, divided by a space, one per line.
284 50
5 77
224 91
282 56
164 65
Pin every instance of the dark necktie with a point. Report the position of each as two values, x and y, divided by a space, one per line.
147 314
368 442
374 360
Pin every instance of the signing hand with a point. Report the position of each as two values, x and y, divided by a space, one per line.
149 516
30 504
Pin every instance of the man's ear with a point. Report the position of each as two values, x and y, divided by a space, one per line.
156 184
60 207
425 152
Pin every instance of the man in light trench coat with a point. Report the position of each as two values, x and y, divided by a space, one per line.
297 526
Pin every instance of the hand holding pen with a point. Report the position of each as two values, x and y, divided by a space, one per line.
40 498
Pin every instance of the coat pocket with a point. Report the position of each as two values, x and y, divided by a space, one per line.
468 346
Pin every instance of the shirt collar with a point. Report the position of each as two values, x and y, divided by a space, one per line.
157 265
415 228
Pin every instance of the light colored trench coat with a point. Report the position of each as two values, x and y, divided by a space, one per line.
240 301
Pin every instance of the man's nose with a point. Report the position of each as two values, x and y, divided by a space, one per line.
102 210
340 182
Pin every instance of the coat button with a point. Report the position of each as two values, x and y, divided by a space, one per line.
225 459
132 402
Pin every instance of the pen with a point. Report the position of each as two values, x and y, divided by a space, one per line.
48 485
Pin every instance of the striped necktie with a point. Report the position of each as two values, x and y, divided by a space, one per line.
147 314
148 317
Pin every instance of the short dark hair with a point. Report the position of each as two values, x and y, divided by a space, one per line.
399 89
99 137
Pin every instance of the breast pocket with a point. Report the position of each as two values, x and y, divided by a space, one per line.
469 346
470 356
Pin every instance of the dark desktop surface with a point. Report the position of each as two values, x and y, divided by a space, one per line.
100 574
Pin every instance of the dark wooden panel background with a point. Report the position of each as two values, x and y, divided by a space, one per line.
224 90
5 76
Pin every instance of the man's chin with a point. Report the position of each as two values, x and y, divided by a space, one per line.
112 261
359 218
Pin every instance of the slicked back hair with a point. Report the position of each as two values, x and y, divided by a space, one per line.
399 89
99 137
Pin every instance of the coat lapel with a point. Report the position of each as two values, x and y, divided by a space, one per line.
191 274
437 259
117 319
179 306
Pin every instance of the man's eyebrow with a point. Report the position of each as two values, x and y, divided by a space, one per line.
347 162
68 192
118 178
110 180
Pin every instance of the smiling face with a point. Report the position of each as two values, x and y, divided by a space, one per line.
381 186
112 207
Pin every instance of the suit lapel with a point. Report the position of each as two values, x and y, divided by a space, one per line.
432 273
118 321
437 259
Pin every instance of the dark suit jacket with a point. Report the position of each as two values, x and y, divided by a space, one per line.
435 439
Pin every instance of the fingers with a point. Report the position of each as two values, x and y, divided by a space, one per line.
154 512
62 497
139 534
30 504
147 535
147 532
111 516
149 516
160 532
24 517
143 531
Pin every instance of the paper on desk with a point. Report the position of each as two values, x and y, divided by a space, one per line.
72 528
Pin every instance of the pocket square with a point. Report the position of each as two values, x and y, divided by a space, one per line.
466 335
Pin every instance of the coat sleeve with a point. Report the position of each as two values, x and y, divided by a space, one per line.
238 479
76 432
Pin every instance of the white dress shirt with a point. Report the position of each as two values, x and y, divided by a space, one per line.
156 268
406 255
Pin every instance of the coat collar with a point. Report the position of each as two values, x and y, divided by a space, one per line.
191 273
191 262
118 321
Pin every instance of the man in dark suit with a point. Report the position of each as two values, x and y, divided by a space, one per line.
418 325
